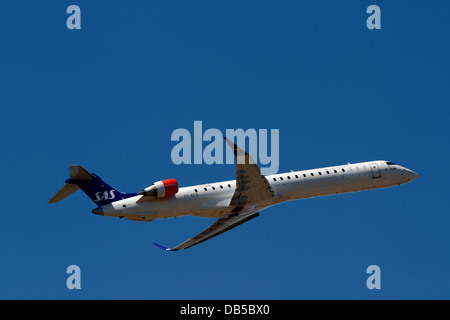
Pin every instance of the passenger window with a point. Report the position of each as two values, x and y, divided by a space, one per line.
312 174
206 189
214 188
343 170
320 173
328 172
288 177
296 176
195 190
304 175
335 171
229 186
221 187
274 179
281 178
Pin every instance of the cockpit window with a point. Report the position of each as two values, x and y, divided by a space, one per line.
387 162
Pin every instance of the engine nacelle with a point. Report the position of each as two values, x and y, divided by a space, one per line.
161 189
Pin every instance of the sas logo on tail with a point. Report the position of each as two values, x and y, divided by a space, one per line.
105 195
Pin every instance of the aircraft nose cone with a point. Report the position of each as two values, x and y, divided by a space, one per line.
412 175
98 211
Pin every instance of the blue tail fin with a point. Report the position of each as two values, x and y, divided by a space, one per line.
95 188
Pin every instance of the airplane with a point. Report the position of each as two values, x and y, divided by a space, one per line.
232 202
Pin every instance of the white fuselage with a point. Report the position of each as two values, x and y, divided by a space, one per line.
213 199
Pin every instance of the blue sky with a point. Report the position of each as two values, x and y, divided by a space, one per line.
110 95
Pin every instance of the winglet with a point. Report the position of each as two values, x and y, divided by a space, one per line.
162 247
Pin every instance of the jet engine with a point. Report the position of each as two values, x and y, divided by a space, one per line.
161 189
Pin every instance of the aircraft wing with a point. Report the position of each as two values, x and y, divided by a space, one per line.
220 226
251 188
251 185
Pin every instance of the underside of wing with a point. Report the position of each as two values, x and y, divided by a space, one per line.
220 226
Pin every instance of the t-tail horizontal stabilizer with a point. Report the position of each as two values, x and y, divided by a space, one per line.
64 192
77 173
